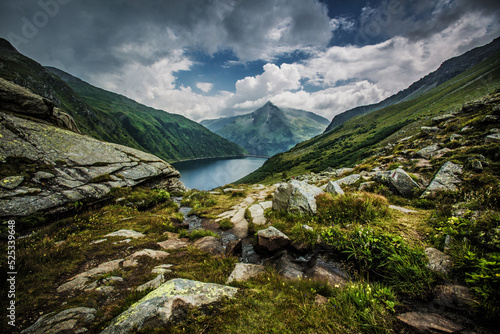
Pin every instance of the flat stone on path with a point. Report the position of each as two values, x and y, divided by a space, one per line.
245 271
126 234
79 282
154 254
172 244
257 212
429 322
401 209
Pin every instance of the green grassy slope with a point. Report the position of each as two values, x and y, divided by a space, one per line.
115 118
170 136
357 138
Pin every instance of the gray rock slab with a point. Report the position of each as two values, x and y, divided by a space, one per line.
126 234
211 245
67 321
11 182
429 322
245 271
334 188
428 151
494 138
172 244
445 179
153 284
348 180
151 253
80 281
398 181
438 261
160 304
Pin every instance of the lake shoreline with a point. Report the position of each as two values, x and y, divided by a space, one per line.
222 157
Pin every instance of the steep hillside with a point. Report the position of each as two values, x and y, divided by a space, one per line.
356 139
268 130
449 69
115 118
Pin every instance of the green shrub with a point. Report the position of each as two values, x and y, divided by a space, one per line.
350 208
225 224
197 234
485 281
385 255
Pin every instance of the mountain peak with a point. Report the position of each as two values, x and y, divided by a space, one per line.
269 104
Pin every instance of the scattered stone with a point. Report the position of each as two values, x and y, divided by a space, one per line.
489 119
366 185
271 239
172 244
445 179
124 241
476 166
429 151
162 269
454 296
211 245
171 298
456 137
320 300
494 138
71 320
126 234
398 181
130 263
153 254
443 117
429 322
287 268
320 273
495 130
113 280
466 128
430 129
11 182
80 281
334 188
98 241
401 209
245 271
438 261
233 190
153 284
296 196
348 180
105 290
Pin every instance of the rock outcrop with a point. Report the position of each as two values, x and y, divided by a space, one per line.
71 320
446 179
296 196
160 305
46 168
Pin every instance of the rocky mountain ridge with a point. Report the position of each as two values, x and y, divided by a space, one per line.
448 69
268 130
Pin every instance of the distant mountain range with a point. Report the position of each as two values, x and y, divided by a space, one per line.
269 130
448 70
359 138
115 118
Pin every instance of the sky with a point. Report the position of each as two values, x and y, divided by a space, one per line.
213 58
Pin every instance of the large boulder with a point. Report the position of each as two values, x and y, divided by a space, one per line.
334 188
296 196
446 179
170 299
61 167
398 181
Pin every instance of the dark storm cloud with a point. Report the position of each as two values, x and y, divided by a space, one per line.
103 35
417 20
